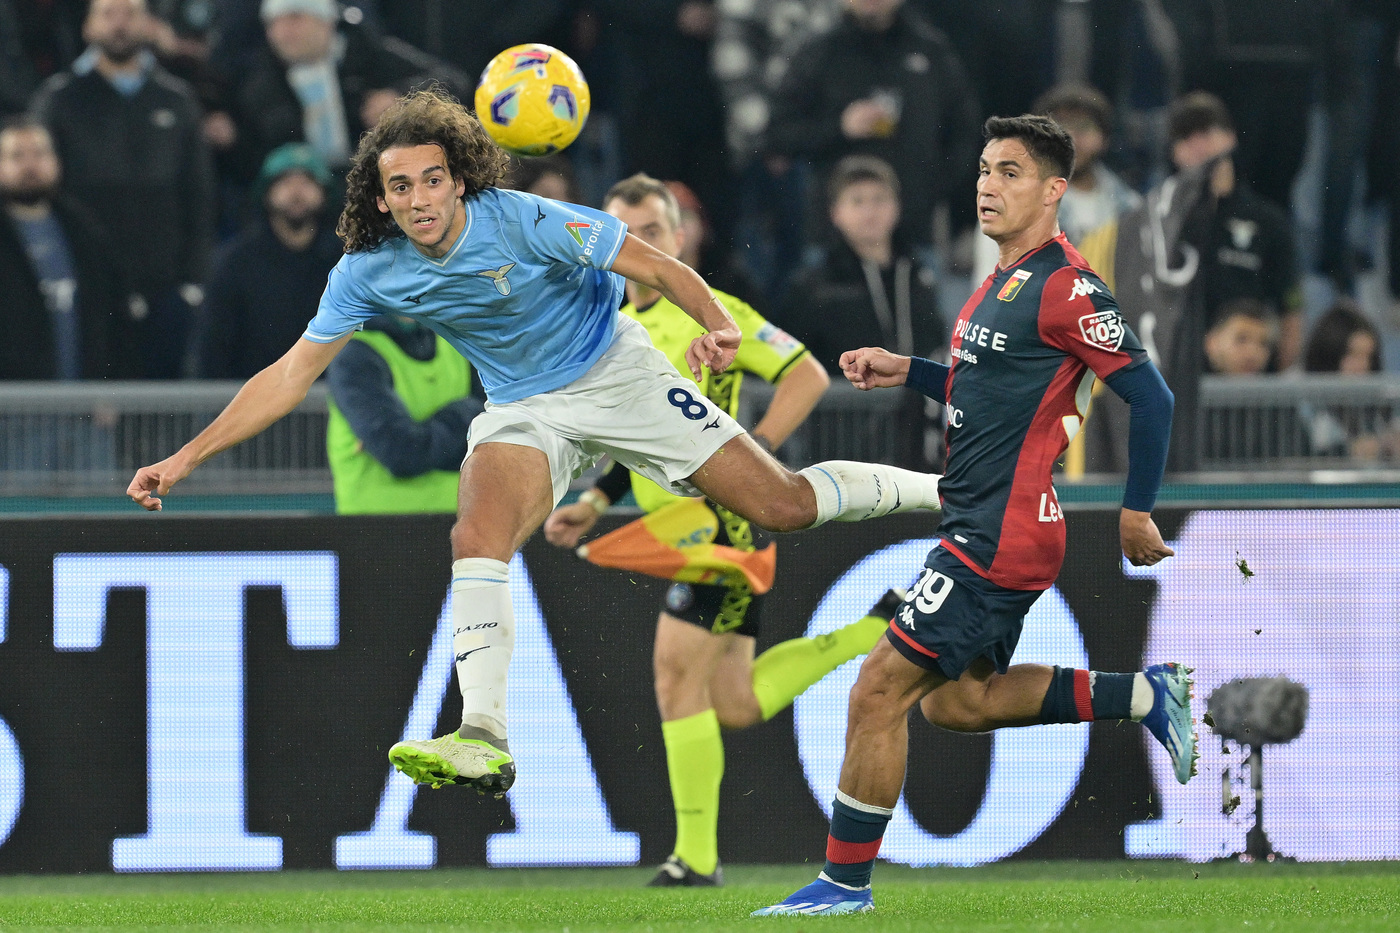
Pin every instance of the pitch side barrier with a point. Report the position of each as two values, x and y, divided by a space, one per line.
213 693
84 439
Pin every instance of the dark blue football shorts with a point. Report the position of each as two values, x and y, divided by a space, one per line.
952 617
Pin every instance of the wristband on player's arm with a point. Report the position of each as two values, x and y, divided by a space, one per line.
928 378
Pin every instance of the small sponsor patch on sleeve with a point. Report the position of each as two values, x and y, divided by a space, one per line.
1102 329
782 343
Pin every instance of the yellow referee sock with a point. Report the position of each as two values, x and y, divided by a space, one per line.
781 673
695 760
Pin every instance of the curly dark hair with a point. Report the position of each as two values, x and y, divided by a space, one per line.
427 116
1045 140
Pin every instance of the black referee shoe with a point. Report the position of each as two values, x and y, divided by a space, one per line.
675 873
889 604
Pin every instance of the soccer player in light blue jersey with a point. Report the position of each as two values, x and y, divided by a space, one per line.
528 290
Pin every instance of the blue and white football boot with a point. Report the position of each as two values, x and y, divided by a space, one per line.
1170 720
822 898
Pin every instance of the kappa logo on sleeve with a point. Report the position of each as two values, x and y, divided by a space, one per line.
1082 288
1103 329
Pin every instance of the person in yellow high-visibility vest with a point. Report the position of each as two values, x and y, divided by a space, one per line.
400 408
707 677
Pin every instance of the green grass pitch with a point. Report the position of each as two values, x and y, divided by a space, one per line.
1112 897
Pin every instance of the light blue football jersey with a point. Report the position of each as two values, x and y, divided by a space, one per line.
524 294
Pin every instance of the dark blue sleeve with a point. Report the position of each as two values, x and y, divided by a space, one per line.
363 390
1149 430
928 378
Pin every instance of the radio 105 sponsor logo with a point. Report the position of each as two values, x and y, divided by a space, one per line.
1103 329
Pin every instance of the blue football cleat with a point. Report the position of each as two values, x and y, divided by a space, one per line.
1170 721
821 898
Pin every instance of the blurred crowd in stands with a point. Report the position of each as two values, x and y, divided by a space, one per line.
171 169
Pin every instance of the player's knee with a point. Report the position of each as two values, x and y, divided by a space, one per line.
674 679
872 702
468 540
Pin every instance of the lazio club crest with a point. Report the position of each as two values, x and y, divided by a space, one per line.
498 277
1013 284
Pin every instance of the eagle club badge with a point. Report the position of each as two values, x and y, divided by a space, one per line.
1013 284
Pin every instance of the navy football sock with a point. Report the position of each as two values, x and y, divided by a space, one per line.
1086 696
856 831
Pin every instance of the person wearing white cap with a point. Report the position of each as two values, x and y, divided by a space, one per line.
324 78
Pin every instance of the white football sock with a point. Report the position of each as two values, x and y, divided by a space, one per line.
483 637
848 491
1143 698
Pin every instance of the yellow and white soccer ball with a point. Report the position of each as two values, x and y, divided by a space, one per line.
532 99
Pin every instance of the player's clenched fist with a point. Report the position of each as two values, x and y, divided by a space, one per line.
715 350
154 481
874 368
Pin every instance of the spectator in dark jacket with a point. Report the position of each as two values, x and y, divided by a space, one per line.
62 289
884 83
323 81
1249 252
469 33
867 290
266 285
128 135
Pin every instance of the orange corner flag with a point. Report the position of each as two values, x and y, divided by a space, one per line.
676 542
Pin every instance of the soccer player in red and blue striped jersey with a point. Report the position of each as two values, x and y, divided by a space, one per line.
1025 351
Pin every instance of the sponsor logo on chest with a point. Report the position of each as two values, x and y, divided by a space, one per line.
975 335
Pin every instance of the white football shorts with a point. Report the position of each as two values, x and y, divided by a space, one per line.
631 405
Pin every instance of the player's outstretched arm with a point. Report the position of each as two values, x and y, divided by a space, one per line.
874 368
263 399
797 393
682 285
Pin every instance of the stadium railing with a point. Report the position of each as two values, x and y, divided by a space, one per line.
1298 421
86 439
